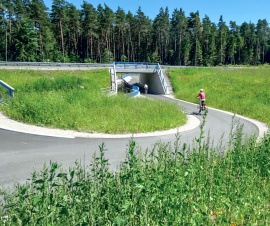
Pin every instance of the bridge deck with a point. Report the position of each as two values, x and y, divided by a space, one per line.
123 70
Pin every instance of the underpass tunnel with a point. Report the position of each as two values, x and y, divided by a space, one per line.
153 82
140 79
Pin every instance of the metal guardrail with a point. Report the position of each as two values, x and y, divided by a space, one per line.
105 90
115 78
55 64
99 65
121 65
8 87
162 79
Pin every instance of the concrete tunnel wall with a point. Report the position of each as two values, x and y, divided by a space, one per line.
153 82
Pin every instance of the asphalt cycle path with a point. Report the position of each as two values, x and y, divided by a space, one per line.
21 153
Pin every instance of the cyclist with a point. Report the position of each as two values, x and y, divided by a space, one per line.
202 97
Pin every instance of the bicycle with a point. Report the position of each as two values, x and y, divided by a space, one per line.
202 107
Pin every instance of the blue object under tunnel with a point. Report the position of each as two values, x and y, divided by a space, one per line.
135 90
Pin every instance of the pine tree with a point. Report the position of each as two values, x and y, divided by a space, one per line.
25 41
141 27
232 42
178 31
131 21
120 28
207 36
247 32
40 18
195 29
89 17
3 31
106 20
222 40
186 49
59 19
262 36
161 26
74 29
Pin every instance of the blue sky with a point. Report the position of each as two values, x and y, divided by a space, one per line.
235 10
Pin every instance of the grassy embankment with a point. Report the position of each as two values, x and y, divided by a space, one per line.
241 91
72 100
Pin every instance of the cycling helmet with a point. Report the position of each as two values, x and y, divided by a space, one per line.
201 90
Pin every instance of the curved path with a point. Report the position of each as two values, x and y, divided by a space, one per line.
21 152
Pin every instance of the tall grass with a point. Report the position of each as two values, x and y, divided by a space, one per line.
157 187
72 100
242 91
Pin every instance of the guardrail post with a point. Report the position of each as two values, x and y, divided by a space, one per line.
8 87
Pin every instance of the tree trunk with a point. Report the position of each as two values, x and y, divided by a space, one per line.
87 48
258 51
62 40
239 55
179 48
41 43
41 46
91 48
161 48
221 50
74 40
107 44
195 53
9 28
233 55
174 42
113 39
6 44
138 58
123 44
99 51
263 54
128 48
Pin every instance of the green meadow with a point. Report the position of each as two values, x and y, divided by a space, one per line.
72 100
242 91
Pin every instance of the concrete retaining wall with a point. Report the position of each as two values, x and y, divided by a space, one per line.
153 82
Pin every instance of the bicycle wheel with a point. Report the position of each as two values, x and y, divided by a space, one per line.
204 106
199 108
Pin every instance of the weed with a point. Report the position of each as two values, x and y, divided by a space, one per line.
159 186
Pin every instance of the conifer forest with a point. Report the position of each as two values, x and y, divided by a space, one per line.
30 31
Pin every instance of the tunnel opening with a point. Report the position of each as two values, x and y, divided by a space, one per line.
146 82
147 77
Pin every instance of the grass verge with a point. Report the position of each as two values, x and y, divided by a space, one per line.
242 91
72 100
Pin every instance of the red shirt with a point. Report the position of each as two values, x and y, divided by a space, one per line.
202 95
